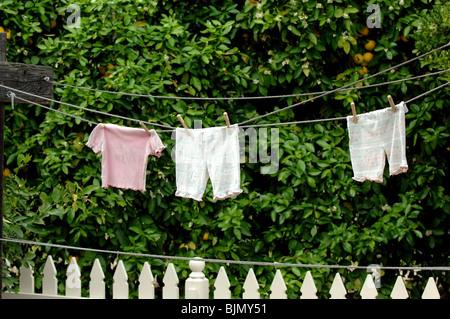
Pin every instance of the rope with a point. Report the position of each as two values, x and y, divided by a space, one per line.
58 111
426 93
85 109
72 115
322 94
12 95
345 86
224 261
47 79
339 118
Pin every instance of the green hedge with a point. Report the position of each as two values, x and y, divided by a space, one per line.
308 211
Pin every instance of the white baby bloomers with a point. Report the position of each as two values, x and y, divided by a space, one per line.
376 135
207 153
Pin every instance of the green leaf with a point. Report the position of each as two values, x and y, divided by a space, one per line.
347 247
179 107
295 31
351 10
311 181
306 71
301 166
347 47
313 38
195 81
127 20
323 144
339 12
310 147
34 60
205 59
89 189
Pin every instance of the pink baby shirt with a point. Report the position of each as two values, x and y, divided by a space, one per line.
125 153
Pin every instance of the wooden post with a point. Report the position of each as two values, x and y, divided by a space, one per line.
2 139
26 78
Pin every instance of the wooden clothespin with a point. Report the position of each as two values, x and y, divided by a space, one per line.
227 120
184 124
355 119
391 102
145 128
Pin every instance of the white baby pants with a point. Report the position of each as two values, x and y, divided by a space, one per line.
377 135
207 153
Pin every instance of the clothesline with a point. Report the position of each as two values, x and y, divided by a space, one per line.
346 86
77 107
193 98
242 126
343 117
252 119
224 261
443 268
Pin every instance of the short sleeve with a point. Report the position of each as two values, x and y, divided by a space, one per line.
96 139
156 146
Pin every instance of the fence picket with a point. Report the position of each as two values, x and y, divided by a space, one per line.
73 281
49 282
308 288
431 291
337 290
146 286
278 288
222 285
170 280
97 283
251 286
399 291
26 280
368 290
120 284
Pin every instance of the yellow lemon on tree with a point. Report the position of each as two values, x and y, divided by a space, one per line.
367 57
6 172
8 32
363 71
370 45
358 58
365 31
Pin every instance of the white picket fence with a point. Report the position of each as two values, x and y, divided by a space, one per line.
196 286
